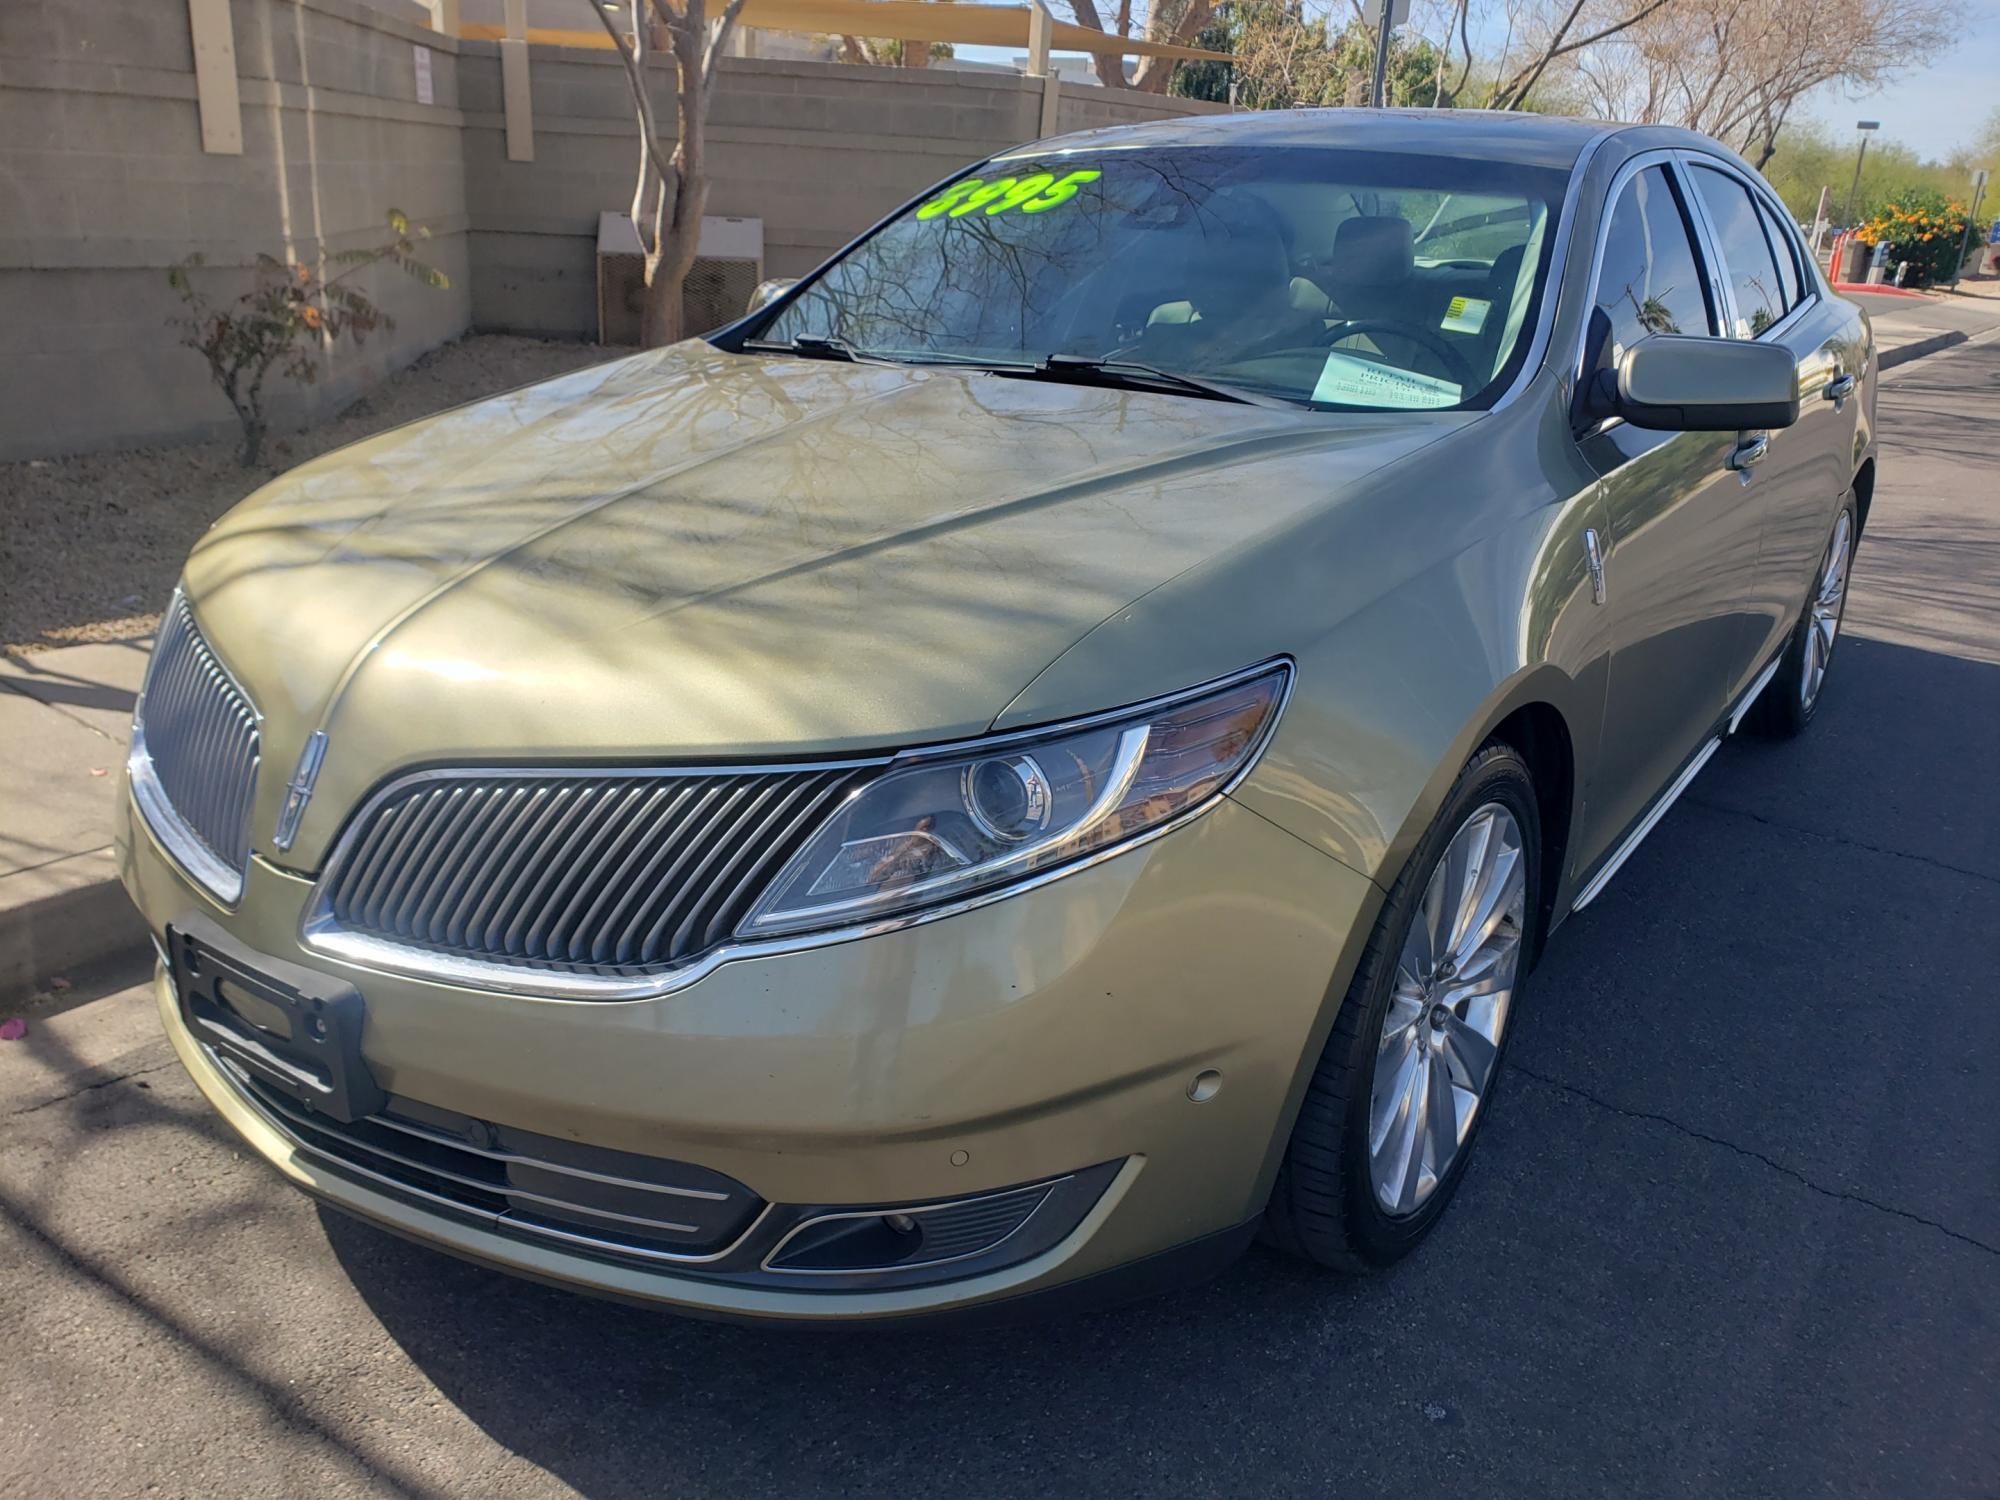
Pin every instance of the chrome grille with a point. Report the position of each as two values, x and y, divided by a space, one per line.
609 874
195 754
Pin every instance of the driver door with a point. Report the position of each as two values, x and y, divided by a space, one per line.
1680 562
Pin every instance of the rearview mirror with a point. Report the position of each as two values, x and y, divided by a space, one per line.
1674 383
770 291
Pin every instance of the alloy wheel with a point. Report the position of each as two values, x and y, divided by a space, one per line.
1441 1032
1823 623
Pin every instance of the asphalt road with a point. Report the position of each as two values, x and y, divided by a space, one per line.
1734 1227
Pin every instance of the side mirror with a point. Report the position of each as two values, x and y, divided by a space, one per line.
770 291
1674 383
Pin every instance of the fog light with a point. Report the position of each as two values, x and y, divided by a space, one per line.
912 1244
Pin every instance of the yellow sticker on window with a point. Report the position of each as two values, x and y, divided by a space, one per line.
1465 315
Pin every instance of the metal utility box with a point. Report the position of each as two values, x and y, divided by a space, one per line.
729 262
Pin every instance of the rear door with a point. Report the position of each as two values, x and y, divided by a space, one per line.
1680 562
1772 293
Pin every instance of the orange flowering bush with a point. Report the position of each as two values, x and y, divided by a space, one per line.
1921 227
287 319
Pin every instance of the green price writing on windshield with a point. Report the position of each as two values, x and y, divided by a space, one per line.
1034 194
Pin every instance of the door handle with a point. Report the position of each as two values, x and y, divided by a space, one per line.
1839 388
1750 450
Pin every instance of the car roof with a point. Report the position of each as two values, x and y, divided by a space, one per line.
1471 134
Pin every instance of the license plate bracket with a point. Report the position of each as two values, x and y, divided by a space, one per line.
295 1029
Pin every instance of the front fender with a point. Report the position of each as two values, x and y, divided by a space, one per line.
1393 701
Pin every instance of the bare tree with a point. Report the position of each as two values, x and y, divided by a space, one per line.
1562 31
1177 22
672 177
1735 69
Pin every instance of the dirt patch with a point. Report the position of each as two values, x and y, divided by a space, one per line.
90 547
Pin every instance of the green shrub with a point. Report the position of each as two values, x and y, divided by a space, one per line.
1921 226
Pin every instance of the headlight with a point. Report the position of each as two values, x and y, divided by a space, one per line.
940 825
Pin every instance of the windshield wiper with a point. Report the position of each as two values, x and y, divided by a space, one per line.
814 346
1130 374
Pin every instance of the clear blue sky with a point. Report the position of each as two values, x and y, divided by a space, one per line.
1938 108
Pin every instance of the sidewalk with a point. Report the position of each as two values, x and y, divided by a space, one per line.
65 718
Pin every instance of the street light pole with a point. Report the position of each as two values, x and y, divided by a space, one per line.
1865 127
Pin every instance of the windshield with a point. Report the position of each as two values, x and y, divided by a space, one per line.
1334 279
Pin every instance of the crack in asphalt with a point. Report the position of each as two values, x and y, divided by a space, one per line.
85 1088
1839 1195
1840 838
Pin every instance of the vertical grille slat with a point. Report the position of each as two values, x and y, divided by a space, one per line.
587 839
613 873
620 886
795 818
726 815
510 885
626 921
433 822
196 753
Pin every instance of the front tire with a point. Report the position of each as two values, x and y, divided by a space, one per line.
1792 697
1407 1077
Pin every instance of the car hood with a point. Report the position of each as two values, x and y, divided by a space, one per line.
694 555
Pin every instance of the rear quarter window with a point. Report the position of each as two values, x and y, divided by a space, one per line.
1748 258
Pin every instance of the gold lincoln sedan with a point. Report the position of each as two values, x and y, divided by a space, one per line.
1046 751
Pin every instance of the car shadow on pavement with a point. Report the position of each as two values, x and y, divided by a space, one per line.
1708 1210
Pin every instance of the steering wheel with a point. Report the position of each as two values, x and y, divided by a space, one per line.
1453 362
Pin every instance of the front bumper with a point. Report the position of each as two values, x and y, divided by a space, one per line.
1019 1042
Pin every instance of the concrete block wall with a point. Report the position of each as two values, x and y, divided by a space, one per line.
104 185
818 151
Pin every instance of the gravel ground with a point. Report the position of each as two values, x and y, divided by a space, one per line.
90 546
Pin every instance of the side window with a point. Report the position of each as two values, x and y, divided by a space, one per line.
1650 281
1753 270
1787 253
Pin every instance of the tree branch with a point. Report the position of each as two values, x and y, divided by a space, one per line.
716 42
635 74
1518 88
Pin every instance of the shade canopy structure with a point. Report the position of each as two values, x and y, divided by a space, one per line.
904 20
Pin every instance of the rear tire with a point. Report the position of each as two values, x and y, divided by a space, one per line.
1347 1195
1791 698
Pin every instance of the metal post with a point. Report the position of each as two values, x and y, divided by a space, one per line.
1379 95
1971 219
1865 127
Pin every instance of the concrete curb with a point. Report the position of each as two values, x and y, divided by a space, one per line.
75 914
1890 358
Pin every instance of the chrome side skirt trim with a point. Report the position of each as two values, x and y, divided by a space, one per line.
1763 681
1646 825
1680 784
